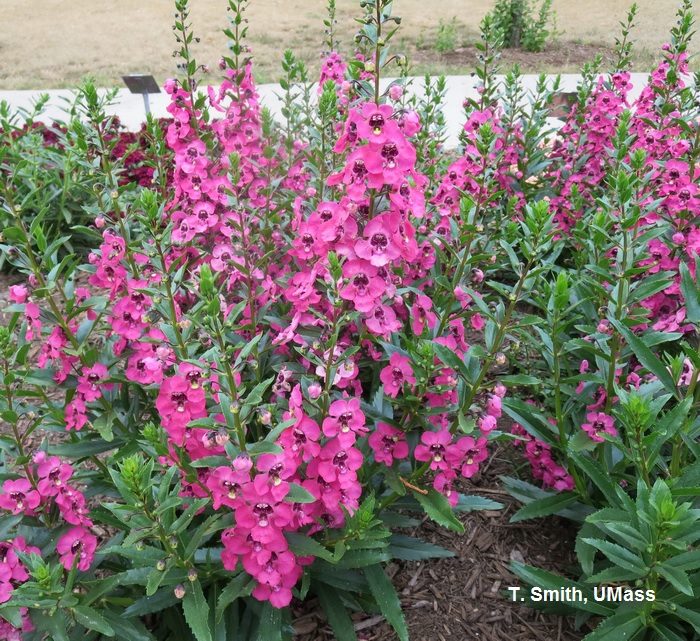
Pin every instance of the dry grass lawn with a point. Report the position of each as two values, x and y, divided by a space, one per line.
54 43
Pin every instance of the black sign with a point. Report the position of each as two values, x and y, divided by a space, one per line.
140 83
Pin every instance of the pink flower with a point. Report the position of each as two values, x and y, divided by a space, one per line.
18 294
487 424
388 443
31 315
53 475
599 422
345 420
71 503
422 315
473 453
179 403
364 287
558 478
376 125
77 543
397 373
226 486
434 449
19 497
382 320
90 380
377 246
493 406
395 92
337 465
314 391
443 484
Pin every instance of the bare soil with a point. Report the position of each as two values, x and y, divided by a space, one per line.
54 43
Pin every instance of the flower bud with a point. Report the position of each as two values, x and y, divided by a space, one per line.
315 390
179 591
395 93
192 574
222 437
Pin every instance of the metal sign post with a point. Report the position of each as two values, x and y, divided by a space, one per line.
145 85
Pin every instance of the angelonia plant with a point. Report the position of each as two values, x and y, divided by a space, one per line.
302 331
54 167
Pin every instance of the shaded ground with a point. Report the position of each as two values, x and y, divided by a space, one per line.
459 598
48 44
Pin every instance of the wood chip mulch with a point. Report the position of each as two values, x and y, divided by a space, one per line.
461 598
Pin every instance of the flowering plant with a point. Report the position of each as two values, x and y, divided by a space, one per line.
303 330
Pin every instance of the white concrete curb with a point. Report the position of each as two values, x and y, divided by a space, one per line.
130 109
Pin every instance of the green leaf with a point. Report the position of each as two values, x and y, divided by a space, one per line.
586 553
131 629
270 628
520 379
55 624
647 358
155 578
353 559
531 419
438 508
11 614
303 545
103 424
347 580
186 517
470 503
337 614
620 626
689 560
665 633
92 620
691 295
387 599
691 616
544 507
196 610
84 448
264 447
448 356
162 599
600 479
676 577
408 548
240 586
298 494
581 442
619 555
